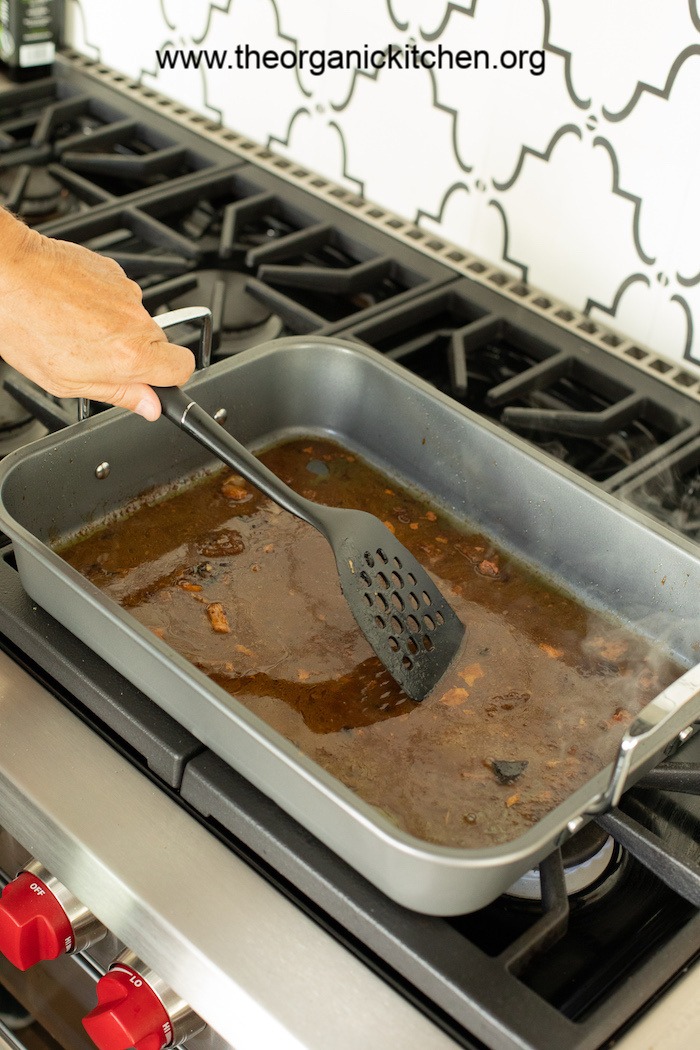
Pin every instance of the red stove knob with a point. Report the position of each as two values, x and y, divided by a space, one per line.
129 1014
33 925
40 919
135 1008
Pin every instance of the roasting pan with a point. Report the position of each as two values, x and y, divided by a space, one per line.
611 556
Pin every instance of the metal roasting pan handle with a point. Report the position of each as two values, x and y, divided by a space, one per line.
200 315
668 717
187 315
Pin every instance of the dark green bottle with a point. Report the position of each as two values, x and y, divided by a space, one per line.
29 32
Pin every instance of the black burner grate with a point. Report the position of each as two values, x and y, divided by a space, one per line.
61 152
571 402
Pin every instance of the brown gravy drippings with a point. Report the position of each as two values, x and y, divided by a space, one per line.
250 595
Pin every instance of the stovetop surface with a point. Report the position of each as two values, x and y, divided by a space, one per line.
193 224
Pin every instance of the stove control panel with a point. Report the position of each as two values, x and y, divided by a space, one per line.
40 919
135 1008
40 922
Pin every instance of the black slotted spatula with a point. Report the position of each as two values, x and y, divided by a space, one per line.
398 608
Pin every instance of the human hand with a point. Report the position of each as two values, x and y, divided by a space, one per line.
73 322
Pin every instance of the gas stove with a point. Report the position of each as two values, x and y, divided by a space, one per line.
272 938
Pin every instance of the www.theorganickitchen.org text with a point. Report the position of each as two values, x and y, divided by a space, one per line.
367 59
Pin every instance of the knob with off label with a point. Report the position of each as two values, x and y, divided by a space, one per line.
40 919
135 1008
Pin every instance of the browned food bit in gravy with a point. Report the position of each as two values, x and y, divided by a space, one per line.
218 618
249 594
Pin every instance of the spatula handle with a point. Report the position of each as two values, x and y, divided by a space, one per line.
185 413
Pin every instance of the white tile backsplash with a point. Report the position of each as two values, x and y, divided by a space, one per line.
584 178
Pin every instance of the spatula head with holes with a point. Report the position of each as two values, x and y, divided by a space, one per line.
401 612
405 618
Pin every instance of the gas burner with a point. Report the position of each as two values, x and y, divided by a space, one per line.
114 154
36 195
43 117
20 113
18 422
13 415
239 312
264 229
18 437
202 224
239 320
593 863
300 261
83 125
225 228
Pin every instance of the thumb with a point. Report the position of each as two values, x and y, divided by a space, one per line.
137 397
148 404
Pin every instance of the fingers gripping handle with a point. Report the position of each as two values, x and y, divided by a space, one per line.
199 315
